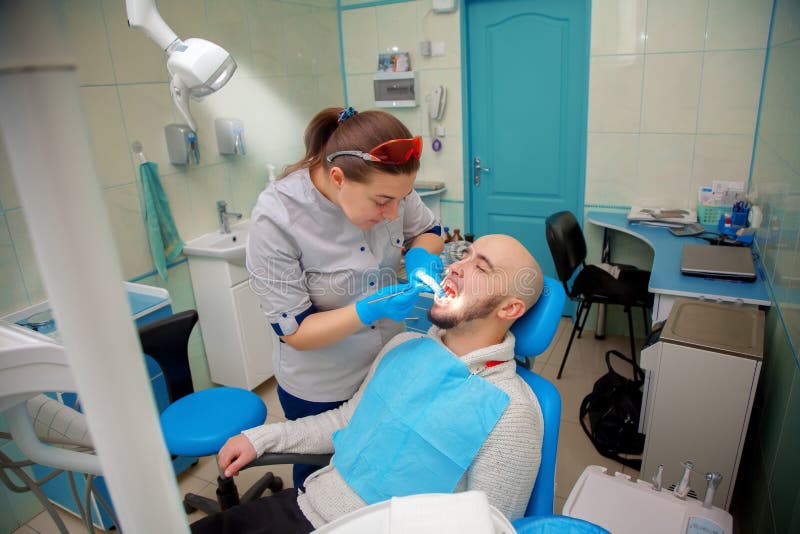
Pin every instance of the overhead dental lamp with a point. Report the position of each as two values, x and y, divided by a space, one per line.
198 67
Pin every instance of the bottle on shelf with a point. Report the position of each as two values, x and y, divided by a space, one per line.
457 235
447 237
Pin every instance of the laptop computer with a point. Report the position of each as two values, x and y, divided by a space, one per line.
735 263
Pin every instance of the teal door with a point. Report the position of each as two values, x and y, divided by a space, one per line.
527 82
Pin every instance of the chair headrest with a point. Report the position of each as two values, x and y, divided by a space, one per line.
535 330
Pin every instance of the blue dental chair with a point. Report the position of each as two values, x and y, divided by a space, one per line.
534 332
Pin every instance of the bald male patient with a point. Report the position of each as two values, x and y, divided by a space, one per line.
460 380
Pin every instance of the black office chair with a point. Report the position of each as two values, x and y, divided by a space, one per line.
593 284
166 341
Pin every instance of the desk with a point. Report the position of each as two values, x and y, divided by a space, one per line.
666 281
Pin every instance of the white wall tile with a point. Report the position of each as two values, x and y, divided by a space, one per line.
207 185
266 36
780 110
397 30
86 35
8 191
360 92
127 226
671 90
787 22
136 58
23 246
444 166
326 42
298 31
615 93
444 27
110 147
331 90
360 39
611 166
187 18
664 170
731 91
147 109
721 157
676 25
228 27
618 27
12 287
737 24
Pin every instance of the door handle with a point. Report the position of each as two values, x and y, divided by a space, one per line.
476 171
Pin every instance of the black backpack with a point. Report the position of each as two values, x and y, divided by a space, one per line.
613 409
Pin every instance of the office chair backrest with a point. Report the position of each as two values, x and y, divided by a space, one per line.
167 342
566 242
533 332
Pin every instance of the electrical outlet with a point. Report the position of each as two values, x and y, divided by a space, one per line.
437 48
425 48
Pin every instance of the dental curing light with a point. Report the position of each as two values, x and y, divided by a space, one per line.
198 67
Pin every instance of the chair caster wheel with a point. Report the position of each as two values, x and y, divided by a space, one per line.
277 485
188 508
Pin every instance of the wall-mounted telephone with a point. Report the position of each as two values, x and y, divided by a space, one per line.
436 102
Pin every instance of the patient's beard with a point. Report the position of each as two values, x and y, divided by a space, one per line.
451 318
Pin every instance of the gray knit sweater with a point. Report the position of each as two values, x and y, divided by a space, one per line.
505 467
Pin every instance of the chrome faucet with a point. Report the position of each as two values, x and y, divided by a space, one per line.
222 209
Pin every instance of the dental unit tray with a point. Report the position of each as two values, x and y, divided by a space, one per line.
626 506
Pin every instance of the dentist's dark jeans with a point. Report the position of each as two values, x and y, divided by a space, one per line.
295 408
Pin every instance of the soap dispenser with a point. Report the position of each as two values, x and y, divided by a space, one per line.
182 144
230 136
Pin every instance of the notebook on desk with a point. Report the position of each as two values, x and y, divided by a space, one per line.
733 263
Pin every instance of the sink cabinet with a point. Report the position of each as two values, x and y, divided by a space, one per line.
237 337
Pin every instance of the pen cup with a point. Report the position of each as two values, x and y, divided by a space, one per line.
739 218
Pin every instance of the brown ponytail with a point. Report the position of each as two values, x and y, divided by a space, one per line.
362 131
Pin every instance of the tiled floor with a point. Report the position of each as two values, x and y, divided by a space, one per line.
585 365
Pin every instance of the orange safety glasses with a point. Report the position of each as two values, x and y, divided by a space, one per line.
393 152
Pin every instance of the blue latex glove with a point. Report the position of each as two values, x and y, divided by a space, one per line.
397 308
420 259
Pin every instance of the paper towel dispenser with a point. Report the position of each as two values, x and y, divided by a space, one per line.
396 89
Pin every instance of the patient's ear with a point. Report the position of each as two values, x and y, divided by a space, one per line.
511 309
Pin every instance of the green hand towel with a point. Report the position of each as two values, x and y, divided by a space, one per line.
165 243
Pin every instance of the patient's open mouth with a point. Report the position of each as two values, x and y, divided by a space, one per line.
450 288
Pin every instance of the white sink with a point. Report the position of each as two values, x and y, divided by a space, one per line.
228 247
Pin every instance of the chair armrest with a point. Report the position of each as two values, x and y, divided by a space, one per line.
274 458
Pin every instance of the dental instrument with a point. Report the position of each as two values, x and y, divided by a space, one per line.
712 483
682 488
431 283
657 478
385 297
198 67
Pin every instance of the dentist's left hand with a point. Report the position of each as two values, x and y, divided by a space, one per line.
420 260
235 454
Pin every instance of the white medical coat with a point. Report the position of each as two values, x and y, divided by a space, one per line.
305 256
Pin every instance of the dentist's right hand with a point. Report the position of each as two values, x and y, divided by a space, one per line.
235 454
397 308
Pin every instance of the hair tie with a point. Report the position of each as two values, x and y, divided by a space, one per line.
346 114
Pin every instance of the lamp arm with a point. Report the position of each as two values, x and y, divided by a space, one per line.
180 96
144 15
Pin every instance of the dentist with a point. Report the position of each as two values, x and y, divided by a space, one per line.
325 246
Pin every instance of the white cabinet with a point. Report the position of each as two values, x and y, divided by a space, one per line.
237 337
699 391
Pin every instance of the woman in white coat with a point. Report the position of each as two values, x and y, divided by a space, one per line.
326 242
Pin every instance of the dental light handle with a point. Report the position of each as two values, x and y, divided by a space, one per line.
712 483
180 96
143 15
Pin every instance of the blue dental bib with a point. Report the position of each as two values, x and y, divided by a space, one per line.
421 421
